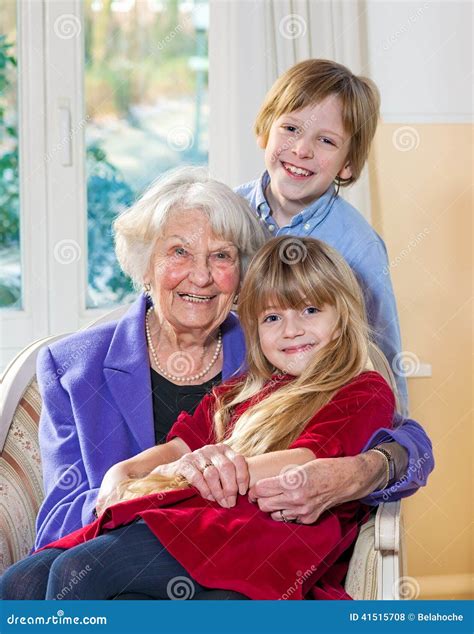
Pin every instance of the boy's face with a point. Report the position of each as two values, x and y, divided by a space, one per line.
306 150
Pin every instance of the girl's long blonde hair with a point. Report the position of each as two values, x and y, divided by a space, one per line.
291 273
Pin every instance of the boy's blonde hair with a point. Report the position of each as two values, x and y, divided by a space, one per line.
291 273
311 81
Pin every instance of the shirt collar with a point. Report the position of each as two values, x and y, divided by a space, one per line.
261 202
313 214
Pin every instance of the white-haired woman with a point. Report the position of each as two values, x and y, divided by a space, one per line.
115 390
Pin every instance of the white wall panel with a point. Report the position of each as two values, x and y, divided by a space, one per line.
420 55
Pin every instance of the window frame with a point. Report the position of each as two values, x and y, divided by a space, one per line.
51 120
19 327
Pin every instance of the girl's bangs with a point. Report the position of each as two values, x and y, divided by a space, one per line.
290 286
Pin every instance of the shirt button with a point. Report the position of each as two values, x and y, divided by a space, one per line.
306 226
271 227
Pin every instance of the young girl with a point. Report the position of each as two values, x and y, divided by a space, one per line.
306 395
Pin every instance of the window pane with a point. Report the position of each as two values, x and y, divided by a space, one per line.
147 111
10 264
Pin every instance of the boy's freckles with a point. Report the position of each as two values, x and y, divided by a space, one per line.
305 152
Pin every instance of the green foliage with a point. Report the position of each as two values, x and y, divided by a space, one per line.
137 60
10 286
107 195
9 182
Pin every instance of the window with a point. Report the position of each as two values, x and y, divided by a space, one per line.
10 264
111 94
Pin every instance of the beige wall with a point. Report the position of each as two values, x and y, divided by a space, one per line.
422 206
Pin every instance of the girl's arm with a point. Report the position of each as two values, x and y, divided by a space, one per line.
140 465
338 433
187 434
219 474
144 462
276 462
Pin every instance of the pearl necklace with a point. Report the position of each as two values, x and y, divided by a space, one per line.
179 379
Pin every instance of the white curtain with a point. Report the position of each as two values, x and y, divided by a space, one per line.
250 44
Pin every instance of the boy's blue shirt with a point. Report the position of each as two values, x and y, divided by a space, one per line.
335 221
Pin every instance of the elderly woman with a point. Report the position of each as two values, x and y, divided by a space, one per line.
114 391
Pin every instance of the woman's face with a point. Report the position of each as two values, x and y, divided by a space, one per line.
194 274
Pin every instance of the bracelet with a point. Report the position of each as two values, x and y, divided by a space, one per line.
387 466
391 464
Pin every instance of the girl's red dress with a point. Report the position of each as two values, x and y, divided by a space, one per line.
242 548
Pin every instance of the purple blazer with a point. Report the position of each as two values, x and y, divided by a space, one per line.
97 410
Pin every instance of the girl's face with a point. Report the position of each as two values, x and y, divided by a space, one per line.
290 337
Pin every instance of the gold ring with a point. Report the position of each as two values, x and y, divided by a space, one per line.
283 517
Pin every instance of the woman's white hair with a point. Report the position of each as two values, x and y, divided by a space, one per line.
179 190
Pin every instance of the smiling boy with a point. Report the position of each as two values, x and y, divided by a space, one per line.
305 152
316 126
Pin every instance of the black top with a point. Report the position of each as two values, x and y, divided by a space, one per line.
169 400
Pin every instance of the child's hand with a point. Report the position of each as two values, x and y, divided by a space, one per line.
216 471
113 476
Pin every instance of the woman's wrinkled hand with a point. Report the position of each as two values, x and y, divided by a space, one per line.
317 486
216 471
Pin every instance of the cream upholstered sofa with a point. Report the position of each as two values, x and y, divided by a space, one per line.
376 566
